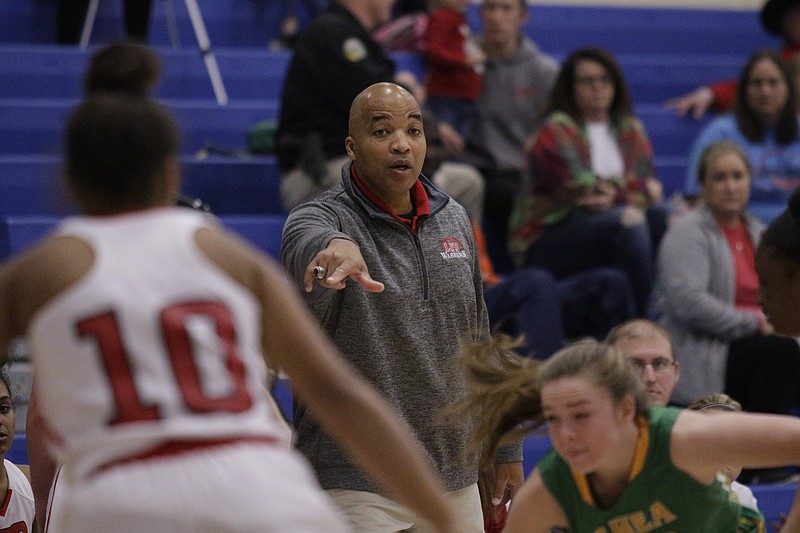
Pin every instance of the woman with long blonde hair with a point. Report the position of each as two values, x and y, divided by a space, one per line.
617 464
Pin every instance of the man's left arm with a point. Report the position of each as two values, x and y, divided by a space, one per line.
508 478
509 474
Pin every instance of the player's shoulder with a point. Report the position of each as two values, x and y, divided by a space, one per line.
31 279
55 254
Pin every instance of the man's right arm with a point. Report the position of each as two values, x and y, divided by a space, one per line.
339 261
308 229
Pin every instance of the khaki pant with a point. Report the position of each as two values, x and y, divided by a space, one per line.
464 184
297 187
373 513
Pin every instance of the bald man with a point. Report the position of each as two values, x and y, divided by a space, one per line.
649 346
388 264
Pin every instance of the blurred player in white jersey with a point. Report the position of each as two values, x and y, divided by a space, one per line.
149 326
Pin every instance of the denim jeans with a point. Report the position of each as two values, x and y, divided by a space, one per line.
546 311
586 240
528 303
460 114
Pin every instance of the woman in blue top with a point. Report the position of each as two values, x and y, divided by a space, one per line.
764 123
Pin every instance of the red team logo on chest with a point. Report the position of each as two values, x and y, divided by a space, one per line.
451 248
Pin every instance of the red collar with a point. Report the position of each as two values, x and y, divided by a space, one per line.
419 198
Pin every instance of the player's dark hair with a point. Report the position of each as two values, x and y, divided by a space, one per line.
116 149
123 68
6 379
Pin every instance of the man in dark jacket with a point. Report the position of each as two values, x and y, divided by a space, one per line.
334 59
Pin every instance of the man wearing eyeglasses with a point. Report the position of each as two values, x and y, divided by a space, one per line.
649 347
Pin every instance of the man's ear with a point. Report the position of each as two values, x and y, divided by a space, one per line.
348 146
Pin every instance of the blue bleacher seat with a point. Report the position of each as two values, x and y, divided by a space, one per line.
263 231
35 125
228 22
282 392
672 138
39 71
250 74
252 23
18 233
691 30
679 49
534 447
774 500
30 184
55 72
653 78
235 187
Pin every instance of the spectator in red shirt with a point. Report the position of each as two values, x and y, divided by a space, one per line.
455 65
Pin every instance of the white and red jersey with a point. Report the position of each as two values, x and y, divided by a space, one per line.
17 511
154 346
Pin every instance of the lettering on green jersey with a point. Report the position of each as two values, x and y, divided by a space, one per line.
640 521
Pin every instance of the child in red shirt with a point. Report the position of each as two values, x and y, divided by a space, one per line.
455 64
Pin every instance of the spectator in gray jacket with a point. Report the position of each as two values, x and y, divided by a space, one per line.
516 82
706 270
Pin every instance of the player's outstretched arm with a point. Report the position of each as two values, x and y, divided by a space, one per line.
347 407
701 445
351 410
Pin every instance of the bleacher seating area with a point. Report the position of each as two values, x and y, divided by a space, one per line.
664 52
40 82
